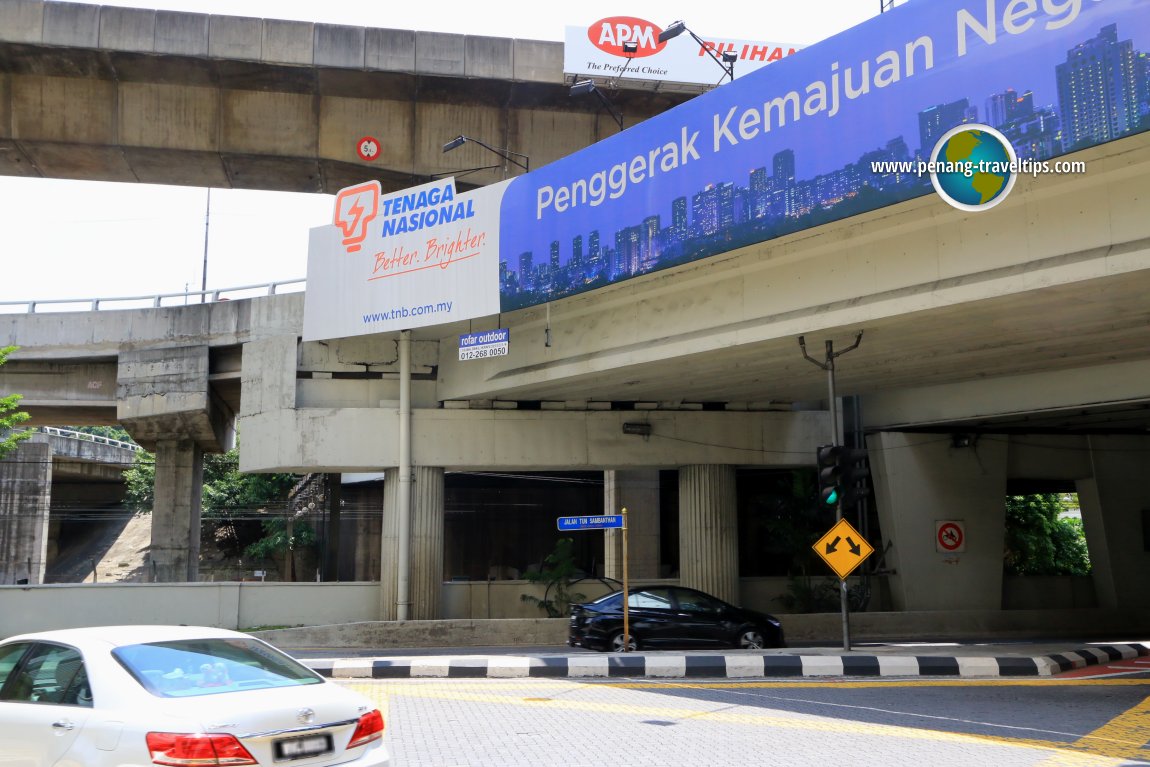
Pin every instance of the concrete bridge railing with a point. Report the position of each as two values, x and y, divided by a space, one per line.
157 301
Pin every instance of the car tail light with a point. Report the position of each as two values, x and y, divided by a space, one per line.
197 750
370 728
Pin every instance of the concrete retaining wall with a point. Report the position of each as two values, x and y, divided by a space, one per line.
343 615
226 605
822 628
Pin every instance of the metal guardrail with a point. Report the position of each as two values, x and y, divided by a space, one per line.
85 436
154 301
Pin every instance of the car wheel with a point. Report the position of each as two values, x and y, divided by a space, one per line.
616 644
751 639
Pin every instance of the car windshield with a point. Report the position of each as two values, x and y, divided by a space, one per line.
192 667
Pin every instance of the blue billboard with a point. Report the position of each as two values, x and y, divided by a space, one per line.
838 129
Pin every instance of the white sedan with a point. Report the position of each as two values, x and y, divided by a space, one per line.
135 696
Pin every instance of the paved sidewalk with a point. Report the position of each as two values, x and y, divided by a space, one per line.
887 659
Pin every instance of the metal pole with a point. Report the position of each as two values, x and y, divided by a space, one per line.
828 364
626 596
403 497
207 224
836 439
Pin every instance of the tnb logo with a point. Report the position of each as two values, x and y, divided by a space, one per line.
355 207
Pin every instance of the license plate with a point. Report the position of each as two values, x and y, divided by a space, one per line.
301 748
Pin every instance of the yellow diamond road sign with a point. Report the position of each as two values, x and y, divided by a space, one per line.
843 548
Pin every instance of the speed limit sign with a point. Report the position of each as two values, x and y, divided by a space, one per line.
367 148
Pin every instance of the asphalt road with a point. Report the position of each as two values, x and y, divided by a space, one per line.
1101 720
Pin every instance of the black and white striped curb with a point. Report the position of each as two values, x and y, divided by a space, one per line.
732 666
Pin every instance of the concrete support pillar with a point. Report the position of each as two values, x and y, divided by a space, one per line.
426 544
638 492
175 551
708 530
1116 517
389 546
25 495
921 480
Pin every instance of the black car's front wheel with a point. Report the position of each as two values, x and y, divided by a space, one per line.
618 644
750 639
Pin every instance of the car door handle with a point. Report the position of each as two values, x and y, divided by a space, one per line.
62 726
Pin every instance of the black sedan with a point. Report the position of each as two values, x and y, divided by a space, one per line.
670 616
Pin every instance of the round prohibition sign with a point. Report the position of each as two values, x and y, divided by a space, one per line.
950 536
367 148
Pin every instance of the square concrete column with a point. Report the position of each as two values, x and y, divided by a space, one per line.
638 492
25 497
426 542
1115 507
709 530
389 547
426 533
921 480
175 551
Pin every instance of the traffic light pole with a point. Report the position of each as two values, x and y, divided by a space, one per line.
836 439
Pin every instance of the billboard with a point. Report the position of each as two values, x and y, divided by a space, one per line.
597 52
860 121
840 128
424 256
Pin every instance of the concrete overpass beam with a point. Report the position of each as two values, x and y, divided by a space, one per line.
638 492
175 549
163 395
921 479
1115 504
25 494
709 531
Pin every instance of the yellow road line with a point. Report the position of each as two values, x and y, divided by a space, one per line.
1120 738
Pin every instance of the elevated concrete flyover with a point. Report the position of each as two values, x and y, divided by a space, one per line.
54 469
1027 319
118 94
1022 322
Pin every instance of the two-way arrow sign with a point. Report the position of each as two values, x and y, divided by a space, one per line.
854 548
843 560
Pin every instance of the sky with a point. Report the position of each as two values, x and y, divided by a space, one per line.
83 240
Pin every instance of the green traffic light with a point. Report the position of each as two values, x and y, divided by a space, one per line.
832 499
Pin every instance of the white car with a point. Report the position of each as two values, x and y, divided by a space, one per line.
136 696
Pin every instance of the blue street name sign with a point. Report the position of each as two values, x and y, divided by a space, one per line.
590 523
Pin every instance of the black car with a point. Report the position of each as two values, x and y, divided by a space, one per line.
670 616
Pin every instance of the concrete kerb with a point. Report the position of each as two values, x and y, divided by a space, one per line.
733 665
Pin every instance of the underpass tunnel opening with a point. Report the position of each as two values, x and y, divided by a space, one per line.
1044 530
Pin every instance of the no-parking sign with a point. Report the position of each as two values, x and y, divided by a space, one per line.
949 536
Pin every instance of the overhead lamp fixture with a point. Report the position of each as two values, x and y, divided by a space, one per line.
583 87
641 429
506 154
630 48
727 62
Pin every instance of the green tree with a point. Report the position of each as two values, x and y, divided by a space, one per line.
557 572
235 505
10 417
1041 539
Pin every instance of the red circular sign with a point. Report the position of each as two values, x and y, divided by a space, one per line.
950 536
367 148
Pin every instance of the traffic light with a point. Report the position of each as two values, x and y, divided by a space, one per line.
829 474
841 472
